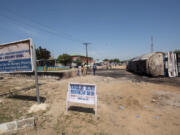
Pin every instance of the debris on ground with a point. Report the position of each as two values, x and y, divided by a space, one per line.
38 107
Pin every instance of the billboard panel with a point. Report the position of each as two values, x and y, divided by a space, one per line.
16 57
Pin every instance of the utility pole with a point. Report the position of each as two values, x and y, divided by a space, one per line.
152 46
86 45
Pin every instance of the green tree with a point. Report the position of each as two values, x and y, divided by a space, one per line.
116 61
106 60
177 51
42 53
64 59
78 62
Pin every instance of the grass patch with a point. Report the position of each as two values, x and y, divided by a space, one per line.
12 109
4 118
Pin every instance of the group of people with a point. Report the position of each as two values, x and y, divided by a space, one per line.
82 70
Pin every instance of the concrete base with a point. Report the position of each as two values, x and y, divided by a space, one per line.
16 125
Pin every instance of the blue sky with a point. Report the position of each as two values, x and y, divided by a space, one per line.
116 28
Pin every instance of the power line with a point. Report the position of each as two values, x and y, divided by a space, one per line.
41 27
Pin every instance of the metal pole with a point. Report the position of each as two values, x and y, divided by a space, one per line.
86 54
35 73
86 44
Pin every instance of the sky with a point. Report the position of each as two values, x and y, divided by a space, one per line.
114 28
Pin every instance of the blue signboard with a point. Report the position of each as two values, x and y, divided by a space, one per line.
82 89
16 65
16 57
82 93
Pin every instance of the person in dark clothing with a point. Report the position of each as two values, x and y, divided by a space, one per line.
94 69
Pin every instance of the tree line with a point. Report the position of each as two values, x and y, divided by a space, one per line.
116 60
44 54
66 59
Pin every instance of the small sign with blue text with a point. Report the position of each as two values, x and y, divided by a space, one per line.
82 93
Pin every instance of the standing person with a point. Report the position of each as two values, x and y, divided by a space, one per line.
79 70
94 69
84 69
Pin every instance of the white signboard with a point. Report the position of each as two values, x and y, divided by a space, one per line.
82 93
16 57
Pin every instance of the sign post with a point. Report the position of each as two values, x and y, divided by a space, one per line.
35 73
83 94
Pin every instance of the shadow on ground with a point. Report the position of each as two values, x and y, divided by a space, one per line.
81 109
117 73
27 98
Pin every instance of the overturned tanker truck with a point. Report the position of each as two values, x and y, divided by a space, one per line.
149 64
154 64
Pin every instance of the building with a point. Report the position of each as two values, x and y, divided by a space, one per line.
82 59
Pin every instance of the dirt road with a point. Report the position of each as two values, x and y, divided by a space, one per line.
127 105
138 78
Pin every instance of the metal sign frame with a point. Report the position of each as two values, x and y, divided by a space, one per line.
35 73
80 98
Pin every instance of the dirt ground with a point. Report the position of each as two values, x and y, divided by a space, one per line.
126 106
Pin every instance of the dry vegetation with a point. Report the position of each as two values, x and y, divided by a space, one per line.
124 107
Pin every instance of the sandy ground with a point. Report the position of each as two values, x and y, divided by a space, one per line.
125 107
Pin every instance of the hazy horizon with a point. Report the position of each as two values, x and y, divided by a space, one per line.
115 29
